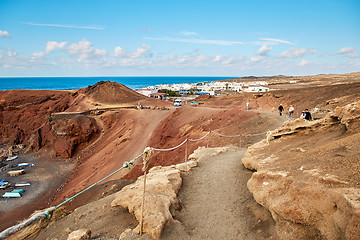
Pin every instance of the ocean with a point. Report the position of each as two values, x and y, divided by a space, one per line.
70 83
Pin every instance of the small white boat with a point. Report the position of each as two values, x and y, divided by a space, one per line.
23 164
11 195
4 185
16 173
12 158
22 184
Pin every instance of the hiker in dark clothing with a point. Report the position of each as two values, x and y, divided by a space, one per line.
307 115
281 108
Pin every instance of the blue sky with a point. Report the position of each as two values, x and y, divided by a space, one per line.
178 38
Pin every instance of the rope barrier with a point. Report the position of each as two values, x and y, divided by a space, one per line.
126 165
186 149
195 140
146 160
147 154
170 149
47 213
239 135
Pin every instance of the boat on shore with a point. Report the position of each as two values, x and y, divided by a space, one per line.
12 158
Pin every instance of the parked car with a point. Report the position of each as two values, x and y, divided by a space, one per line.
178 103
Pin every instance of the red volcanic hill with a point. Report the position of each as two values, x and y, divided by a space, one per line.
112 93
26 115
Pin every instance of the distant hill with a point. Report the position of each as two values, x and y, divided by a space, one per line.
112 93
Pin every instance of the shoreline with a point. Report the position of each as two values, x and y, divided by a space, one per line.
73 83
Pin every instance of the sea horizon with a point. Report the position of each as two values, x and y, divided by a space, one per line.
72 83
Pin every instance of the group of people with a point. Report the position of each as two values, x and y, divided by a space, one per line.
306 115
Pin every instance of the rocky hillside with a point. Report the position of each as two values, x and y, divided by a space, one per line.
26 117
111 93
308 173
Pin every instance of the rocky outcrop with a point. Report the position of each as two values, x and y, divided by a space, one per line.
162 185
305 176
71 133
81 234
24 117
304 210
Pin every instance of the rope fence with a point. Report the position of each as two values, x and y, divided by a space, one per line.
146 159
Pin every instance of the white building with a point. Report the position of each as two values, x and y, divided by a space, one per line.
146 92
208 87
256 89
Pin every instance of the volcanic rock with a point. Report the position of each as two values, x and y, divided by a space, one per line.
80 234
70 133
307 175
162 185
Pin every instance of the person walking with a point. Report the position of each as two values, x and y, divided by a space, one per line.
247 106
281 109
302 116
308 115
291 111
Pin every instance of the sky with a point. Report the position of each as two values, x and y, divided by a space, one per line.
179 38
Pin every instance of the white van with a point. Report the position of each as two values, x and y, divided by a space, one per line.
178 103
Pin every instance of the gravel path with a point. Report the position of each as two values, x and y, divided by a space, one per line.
217 204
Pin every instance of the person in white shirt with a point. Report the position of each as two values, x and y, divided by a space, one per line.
291 111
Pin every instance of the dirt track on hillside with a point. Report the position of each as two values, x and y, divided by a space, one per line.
217 204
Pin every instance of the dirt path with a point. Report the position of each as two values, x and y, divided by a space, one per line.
105 158
217 204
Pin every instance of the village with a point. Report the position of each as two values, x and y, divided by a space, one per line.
164 91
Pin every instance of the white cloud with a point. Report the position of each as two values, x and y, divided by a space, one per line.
66 60
38 54
229 60
353 55
347 51
142 51
119 52
264 50
344 51
187 33
275 41
196 41
11 53
218 58
86 52
257 59
100 52
84 55
82 47
297 52
304 63
4 34
52 45
64 26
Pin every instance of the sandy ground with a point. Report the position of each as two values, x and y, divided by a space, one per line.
217 204
123 141
45 177
126 135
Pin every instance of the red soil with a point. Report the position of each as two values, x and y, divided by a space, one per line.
113 137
